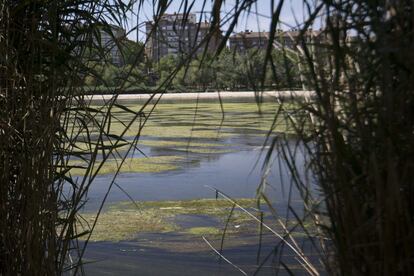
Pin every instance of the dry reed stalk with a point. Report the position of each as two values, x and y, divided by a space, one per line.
359 135
43 45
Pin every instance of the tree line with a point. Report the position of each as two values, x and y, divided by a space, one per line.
229 70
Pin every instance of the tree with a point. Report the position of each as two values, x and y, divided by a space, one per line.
201 75
165 67
226 73
133 52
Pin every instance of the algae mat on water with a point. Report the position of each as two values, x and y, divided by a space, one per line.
179 119
127 221
122 221
154 164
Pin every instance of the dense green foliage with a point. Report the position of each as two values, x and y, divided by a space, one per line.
229 71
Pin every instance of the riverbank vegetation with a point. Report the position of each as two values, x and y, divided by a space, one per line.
227 72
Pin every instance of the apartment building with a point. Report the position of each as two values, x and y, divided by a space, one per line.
178 34
110 40
290 39
243 41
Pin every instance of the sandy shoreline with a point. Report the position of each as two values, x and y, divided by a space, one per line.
207 95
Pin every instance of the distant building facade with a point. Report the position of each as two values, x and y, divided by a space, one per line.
290 39
243 41
98 38
110 41
178 34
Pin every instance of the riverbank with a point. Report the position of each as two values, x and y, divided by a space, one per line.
209 96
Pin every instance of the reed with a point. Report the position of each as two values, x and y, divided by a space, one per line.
355 131
43 116
357 134
47 124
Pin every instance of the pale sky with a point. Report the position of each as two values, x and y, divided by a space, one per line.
258 19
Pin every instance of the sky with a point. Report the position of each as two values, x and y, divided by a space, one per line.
258 19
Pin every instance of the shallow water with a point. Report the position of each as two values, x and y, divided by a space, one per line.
236 172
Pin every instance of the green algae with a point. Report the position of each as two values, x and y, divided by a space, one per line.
195 206
123 225
183 132
187 115
123 220
154 164
126 221
204 122
164 143
180 120
204 150
173 131
204 231
190 146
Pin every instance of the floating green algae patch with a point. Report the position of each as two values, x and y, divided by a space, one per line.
122 221
182 131
154 164
153 129
203 150
202 231
179 119
196 206
203 121
164 143
123 225
189 146
125 220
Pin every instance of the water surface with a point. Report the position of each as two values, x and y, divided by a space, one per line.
225 152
